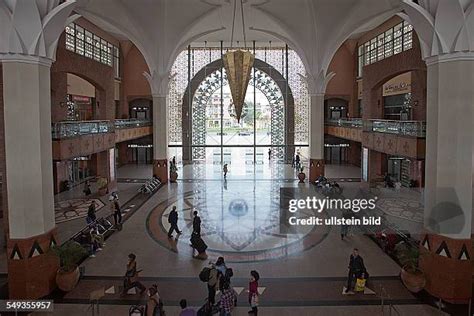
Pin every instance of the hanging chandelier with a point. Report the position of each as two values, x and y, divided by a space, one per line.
238 66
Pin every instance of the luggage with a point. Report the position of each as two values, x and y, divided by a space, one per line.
136 310
198 243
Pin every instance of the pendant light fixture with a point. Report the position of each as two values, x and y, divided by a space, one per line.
238 66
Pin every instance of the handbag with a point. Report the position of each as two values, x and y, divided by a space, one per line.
360 285
254 300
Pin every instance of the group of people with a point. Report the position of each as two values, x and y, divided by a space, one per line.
95 237
218 276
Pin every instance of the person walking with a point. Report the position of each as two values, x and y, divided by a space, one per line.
131 276
173 220
297 161
87 188
269 154
117 213
225 170
212 285
253 292
356 269
91 217
196 224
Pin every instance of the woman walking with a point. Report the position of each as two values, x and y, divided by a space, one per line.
253 292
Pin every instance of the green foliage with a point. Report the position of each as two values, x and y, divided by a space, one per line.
408 256
102 183
69 255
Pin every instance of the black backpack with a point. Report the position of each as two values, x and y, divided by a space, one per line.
205 274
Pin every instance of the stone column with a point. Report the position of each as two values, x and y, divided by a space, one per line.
449 172
29 174
444 29
316 137
28 40
160 138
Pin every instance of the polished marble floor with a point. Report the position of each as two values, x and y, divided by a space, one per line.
241 222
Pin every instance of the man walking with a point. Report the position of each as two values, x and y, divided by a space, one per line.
173 220
356 269
196 224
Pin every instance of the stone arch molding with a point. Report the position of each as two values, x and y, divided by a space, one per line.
264 71
31 28
443 26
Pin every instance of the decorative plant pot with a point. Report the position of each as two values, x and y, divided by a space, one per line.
301 176
102 191
67 280
414 281
173 176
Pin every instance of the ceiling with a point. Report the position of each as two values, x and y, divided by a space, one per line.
162 28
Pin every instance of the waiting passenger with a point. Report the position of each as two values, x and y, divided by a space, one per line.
131 276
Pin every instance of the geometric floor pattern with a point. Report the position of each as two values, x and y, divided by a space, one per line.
74 208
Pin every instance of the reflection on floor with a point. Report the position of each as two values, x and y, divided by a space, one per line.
241 222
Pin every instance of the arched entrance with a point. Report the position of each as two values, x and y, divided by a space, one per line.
210 130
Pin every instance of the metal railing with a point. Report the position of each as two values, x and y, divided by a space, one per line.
354 122
405 128
69 129
131 123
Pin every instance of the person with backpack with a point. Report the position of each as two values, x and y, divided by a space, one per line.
210 275
173 220
253 292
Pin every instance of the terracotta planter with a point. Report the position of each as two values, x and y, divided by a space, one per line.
67 280
414 281
173 176
301 176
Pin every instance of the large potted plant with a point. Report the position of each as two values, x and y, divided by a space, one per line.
301 175
412 277
69 255
102 185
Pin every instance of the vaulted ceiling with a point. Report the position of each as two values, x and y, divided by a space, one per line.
162 28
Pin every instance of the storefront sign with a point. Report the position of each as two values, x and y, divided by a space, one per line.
80 98
398 85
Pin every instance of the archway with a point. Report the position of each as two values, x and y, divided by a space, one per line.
267 85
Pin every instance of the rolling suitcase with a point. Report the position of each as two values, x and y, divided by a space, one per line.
198 243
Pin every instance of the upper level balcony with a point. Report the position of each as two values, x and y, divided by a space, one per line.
403 138
82 138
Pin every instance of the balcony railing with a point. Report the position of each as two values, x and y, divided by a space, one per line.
354 122
68 129
405 128
131 123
